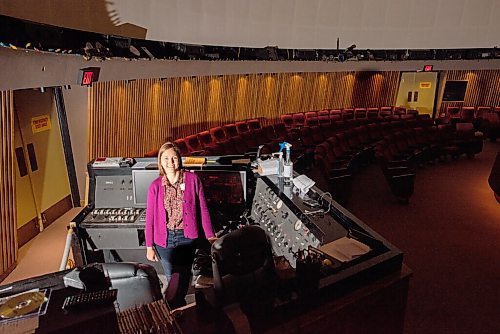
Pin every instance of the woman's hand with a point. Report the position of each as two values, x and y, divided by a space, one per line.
212 240
151 255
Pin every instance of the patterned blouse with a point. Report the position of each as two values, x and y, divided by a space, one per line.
173 202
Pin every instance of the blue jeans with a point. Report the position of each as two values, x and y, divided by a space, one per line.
177 260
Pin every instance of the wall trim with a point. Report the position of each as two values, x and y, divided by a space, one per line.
27 232
30 230
31 69
8 271
57 210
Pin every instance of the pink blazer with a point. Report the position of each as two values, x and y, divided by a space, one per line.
194 208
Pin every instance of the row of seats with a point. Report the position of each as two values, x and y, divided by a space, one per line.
484 119
400 153
466 113
206 141
326 116
246 136
344 153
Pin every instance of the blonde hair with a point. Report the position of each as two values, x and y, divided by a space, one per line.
167 146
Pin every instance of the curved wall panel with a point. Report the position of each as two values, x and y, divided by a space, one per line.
129 118
8 225
483 88
300 24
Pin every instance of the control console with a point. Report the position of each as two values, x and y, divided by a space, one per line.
116 215
288 230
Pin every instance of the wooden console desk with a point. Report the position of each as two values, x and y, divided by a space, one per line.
377 307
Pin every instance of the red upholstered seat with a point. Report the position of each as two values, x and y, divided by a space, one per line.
372 113
253 124
453 112
218 134
205 139
360 113
230 130
412 112
347 114
298 119
152 153
481 110
193 144
385 111
181 144
242 127
324 119
324 112
287 120
467 114
335 115
311 118
312 121
399 111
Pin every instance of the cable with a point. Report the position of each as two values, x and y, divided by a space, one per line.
329 203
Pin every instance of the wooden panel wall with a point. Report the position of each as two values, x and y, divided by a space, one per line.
8 225
483 88
129 118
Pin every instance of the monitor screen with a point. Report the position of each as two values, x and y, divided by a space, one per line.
224 187
141 179
455 90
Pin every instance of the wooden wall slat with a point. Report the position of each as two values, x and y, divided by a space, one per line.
8 224
483 88
129 118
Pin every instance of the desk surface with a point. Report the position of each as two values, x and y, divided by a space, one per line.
100 319
377 307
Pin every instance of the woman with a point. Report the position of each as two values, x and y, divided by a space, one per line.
176 203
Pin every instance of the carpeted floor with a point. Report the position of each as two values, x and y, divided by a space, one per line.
450 234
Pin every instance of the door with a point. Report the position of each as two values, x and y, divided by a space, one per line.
42 179
417 90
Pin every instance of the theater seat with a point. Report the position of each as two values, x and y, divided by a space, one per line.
491 125
253 124
372 113
193 144
242 127
205 139
347 114
287 120
181 144
218 134
385 111
137 283
230 130
480 111
467 114
467 141
335 115
360 113
399 111
298 119
453 113
243 268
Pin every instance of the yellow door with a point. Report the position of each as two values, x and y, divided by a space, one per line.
38 134
417 90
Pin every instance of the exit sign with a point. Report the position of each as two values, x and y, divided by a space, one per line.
428 68
86 76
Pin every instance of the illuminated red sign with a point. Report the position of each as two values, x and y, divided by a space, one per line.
87 78
428 68
88 75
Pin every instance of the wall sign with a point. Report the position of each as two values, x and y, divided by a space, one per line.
425 85
40 123
88 75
